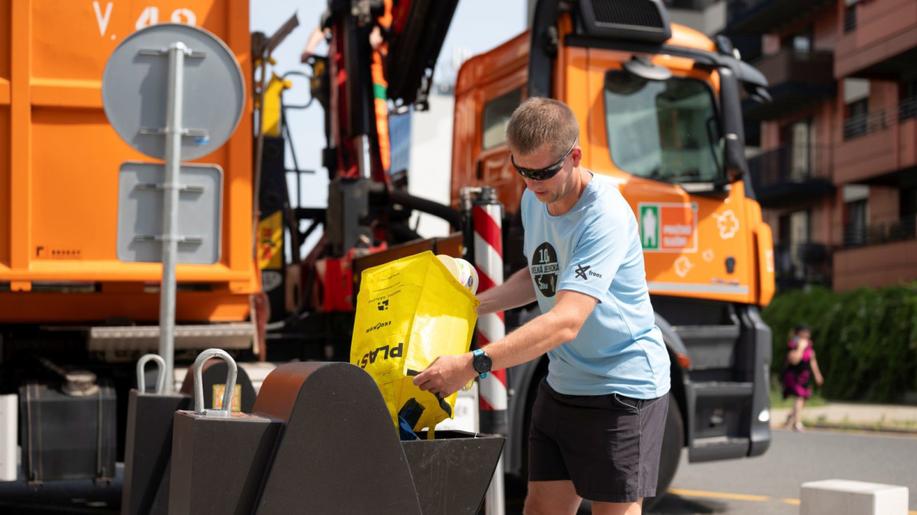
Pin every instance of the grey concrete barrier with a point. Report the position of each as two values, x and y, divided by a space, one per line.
846 497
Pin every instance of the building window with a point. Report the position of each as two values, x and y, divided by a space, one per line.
855 228
850 17
908 107
496 115
856 118
800 43
907 204
798 139
795 235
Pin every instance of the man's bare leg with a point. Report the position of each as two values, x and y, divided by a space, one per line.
618 508
551 498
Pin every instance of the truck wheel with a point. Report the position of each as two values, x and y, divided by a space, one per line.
672 442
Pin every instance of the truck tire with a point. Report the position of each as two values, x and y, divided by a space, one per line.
672 443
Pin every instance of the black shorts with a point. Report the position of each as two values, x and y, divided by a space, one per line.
608 445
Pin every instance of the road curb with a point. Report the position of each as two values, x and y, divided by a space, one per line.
859 427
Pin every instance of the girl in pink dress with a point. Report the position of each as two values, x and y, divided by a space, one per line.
801 365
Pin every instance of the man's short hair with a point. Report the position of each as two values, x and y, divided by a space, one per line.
541 120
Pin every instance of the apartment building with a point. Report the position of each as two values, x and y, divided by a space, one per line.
836 161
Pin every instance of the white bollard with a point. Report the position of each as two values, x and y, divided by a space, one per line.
846 497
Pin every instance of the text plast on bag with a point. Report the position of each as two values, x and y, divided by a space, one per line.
396 351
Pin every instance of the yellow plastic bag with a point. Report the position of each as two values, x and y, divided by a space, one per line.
409 312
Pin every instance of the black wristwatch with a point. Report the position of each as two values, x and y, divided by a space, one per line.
481 363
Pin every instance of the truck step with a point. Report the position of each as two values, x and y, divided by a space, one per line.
722 389
717 448
704 332
117 341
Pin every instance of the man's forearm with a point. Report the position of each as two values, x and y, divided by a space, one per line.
514 292
532 340
552 329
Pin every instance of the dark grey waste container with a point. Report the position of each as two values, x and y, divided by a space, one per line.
148 451
452 471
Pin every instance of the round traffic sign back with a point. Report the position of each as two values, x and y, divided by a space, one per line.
135 88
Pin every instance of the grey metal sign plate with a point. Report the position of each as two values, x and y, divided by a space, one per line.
135 88
140 213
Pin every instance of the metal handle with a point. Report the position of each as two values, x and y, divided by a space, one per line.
160 375
231 371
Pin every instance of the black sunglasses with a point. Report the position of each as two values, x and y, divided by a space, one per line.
542 174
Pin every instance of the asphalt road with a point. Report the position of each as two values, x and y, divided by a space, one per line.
765 485
770 484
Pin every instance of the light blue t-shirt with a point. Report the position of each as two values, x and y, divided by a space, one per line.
595 249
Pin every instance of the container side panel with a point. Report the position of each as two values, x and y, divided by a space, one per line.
5 13
5 49
75 155
75 161
4 186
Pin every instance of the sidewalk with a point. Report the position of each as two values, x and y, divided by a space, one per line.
840 415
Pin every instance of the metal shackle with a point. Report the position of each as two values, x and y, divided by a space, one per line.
231 372
160 375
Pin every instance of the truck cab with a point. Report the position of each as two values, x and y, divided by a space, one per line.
658 106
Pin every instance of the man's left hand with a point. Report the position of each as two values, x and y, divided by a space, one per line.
446 375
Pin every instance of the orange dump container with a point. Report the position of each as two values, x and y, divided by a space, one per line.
59 163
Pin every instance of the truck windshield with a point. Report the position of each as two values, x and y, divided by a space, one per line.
664 130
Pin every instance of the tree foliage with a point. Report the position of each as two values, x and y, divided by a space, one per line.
865 340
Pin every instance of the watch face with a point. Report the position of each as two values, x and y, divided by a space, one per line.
482 363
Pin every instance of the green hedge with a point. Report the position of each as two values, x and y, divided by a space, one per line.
865 340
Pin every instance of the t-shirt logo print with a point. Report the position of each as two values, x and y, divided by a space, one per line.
581 271
544 269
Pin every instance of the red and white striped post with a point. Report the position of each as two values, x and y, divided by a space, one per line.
487 215
487 244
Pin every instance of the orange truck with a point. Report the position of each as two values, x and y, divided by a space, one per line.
59 162
659 111
73 318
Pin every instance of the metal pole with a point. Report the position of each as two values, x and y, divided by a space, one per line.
364 162
495 499
170 187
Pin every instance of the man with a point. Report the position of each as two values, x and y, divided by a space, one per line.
599 418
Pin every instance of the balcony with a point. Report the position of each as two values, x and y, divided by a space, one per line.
791 174
800 264
876 255
762 16
856 235
796 79
879 39
877 144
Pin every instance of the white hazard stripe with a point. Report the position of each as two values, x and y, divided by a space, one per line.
491 327
493 392
487 259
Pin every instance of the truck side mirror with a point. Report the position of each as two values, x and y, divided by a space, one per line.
733 130
640 66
